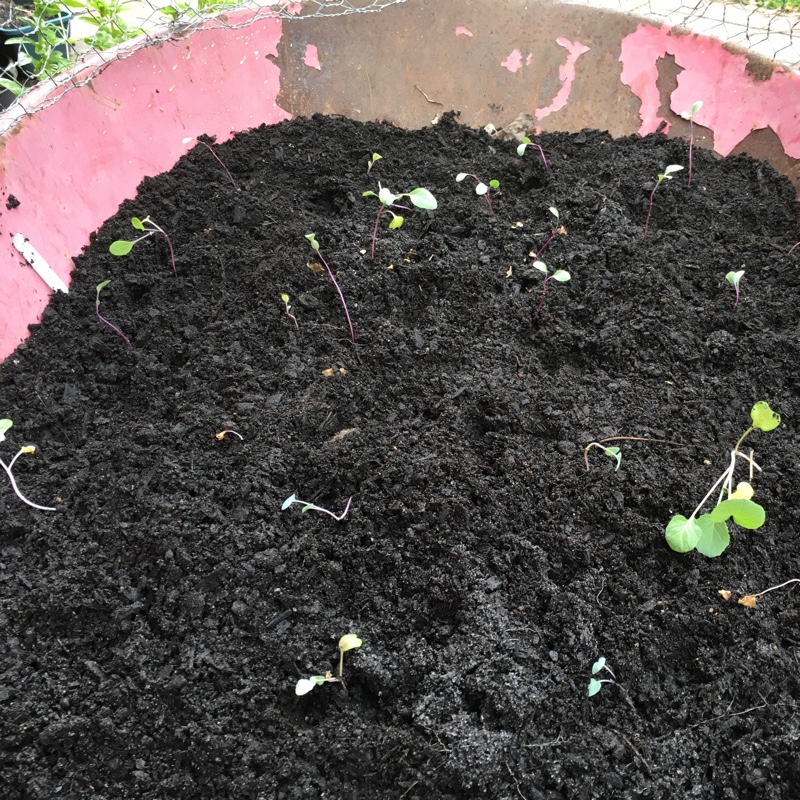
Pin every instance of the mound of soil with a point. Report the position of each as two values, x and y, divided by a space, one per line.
154 626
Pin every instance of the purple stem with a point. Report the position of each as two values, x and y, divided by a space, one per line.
649 211
691 148
489 202
375 231
221 163
541 153
544 246
344 304
793 249
541 299
736 301
111 325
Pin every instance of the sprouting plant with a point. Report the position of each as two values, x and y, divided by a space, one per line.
222 434
596 684
285 298
524 144
420 197
708 533
733 279
665 175
481 188
348 642
5 425
559 229
311 507
122 246
611 452
219 160
371 162
560 275
696 106
99 288
749 600
312 240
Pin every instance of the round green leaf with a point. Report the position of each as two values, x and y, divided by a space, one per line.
481 188
560 275
594 687
137 223
422 198
5 424
120 247
745 513
397 222
764 418
683 534
494 183
288 501
715 537
460 177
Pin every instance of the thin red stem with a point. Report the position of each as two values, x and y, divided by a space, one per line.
375 231
341 297
111 325
221 163
541 299
544 246
649 211
691 148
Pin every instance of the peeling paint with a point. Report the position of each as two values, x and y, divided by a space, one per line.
311 58
566 72
462 31
513 62
734 103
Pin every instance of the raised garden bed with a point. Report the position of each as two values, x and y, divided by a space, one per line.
154 627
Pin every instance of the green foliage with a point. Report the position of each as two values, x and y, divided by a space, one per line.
708 533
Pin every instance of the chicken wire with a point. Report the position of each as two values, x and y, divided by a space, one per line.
771 32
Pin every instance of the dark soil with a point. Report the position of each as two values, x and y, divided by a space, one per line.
154 627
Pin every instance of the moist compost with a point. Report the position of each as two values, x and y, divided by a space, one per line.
154 627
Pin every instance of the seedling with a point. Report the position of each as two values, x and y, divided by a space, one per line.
348 642
666 175
371 162
222 434
596 684
560 275
733 279
122 246
219 160
481 188
708 533
312 240
99 288
523 146
288 307
749 600
611 452
311 507
559 229
420 197
696 106
5 425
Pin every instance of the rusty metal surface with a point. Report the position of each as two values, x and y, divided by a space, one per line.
409 64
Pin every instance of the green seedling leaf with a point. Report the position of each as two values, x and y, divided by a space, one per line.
560 275
460 177
494 183
764 418
481 188
100 286
288 501
745 513
715 537
733 278
5 424
594 687
598 665
669 170
683 534
541 266
305 685
422 198
138 224
120 247
349 642
397 222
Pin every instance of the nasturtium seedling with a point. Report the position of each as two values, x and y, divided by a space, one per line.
708 533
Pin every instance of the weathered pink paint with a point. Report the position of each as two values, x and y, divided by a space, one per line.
118 133
462 31
734 103
311 58
567 74
513 62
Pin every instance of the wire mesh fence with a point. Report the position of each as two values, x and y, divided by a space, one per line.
118 29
